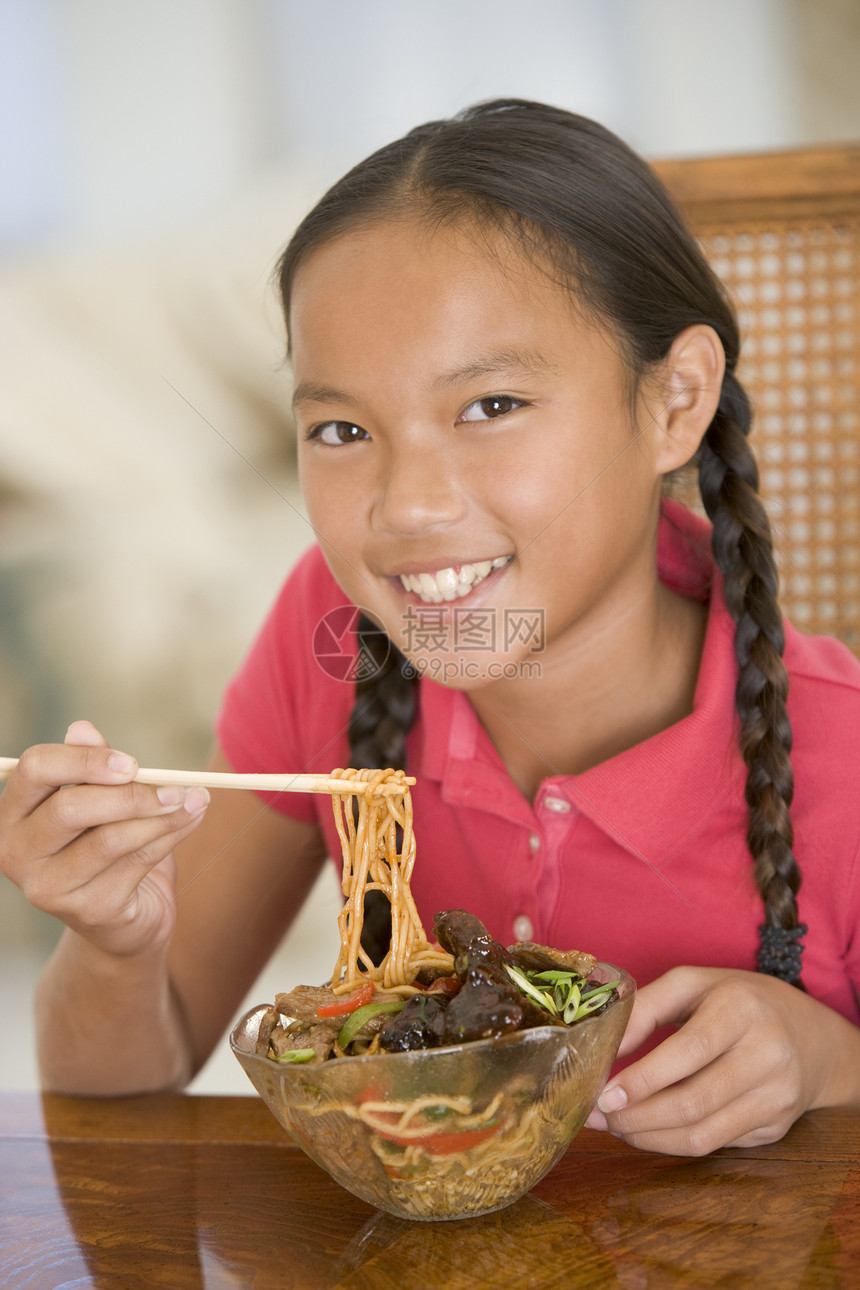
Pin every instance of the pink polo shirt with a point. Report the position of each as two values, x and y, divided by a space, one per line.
641 860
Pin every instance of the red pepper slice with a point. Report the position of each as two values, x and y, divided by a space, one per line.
445 1144
349 1003
373 1093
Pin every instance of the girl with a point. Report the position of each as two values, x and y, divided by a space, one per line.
504 341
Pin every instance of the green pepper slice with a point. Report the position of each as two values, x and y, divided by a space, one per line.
356 1020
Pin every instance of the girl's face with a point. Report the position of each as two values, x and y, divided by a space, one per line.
469 456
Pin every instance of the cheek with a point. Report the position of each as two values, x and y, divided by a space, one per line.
330 499
544 489
575 521
336 526
315 499
556 464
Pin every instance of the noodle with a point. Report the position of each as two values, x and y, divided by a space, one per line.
367 824
377 1115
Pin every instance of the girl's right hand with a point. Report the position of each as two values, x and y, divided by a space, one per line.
86 844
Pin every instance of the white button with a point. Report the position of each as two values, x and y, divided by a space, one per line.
534 842
523 929
556 804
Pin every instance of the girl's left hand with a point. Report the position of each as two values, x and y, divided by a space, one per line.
750 1056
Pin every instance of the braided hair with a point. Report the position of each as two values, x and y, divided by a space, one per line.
743 549
386 700
589 211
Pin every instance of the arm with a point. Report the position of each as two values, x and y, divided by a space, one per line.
750 1056
240 883
98 853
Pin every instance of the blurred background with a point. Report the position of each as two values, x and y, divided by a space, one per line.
154 157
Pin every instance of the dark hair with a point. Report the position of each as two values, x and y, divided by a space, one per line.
588 209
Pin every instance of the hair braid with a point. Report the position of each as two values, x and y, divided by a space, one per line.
743 550
385 708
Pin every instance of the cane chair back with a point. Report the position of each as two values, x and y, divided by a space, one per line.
783 233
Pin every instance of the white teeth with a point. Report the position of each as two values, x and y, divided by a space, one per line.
450 583
446 581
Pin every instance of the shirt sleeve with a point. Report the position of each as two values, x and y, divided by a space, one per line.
852 956
272 708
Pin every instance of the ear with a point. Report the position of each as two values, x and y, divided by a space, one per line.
682 396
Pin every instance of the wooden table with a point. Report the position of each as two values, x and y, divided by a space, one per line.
185 1192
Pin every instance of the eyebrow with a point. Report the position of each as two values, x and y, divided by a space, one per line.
311 392
503 361
500 362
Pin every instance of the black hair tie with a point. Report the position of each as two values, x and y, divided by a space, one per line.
780 951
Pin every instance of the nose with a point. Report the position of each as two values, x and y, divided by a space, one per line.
419 490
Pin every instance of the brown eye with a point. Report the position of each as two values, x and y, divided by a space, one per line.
490 407
497 405
335 433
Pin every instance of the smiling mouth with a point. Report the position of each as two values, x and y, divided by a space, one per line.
452 583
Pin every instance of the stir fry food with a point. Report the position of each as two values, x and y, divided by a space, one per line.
447 1079
487 992
421 996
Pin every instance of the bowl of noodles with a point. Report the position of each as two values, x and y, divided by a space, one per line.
446 1081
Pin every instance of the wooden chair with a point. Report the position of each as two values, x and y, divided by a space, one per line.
783 232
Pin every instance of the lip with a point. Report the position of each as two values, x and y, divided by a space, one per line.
444 562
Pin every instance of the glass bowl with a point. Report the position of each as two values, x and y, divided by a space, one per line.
443 1133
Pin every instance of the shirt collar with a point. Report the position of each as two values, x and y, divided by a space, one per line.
652 797
457 752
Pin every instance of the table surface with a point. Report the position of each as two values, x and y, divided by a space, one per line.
180 1192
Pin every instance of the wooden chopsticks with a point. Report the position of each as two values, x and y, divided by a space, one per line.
260 783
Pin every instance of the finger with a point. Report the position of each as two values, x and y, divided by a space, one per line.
744 1122
698 1043
99 849
74 809
667 1001
692 1100
85 734
46 767
105 865
128 872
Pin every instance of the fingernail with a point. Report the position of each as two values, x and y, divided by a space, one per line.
196 800
612 1099
596 1121
169 796
121 763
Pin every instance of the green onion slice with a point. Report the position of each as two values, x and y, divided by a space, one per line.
544 1001
591 1005
561 993
571 1005
298 1055
600 989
